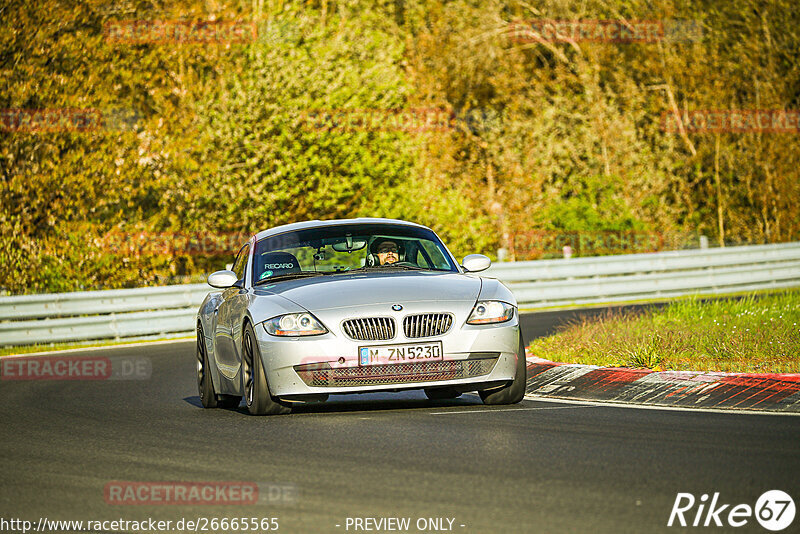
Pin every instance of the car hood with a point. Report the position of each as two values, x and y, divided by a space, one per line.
364 289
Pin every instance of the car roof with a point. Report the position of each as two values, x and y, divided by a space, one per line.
333 222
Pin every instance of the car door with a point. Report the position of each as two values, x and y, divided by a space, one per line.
230 312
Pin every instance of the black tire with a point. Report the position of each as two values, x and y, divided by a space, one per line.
256 389
205 386
442 393
515 391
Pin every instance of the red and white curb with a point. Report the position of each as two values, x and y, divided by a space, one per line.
687 389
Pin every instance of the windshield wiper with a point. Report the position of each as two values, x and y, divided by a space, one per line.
356 270
289 276
391 266
385 268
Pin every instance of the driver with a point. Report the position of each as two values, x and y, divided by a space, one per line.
387 252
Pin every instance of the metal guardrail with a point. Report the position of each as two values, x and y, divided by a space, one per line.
109 314
602 279
101 302
154 311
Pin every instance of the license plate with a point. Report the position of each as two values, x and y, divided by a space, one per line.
390 354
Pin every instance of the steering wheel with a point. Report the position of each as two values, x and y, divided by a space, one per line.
399 264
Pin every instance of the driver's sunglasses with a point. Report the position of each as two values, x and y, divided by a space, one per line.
386 249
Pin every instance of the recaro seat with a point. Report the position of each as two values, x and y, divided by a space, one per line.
275 264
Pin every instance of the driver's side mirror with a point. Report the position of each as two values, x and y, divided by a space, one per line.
223 279
475 263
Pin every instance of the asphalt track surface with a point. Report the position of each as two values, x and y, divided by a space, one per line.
538 466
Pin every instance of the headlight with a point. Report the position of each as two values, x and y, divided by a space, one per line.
491 311
294 324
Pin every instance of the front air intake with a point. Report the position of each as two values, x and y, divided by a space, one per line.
322 375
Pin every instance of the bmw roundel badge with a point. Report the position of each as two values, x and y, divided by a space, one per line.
397 307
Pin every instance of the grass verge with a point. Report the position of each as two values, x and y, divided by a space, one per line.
51 347
755 334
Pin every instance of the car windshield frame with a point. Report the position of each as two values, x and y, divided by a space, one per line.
324 236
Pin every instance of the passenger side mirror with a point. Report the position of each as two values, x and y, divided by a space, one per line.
475 263
223 279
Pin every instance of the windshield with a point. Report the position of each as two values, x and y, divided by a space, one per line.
341 249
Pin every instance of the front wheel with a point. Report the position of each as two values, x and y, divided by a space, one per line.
205 385
513 392
256 389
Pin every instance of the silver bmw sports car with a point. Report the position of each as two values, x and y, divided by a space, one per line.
352 306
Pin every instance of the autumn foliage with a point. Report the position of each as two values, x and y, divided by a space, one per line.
481 119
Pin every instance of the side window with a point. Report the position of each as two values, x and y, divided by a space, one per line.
241 261
436 256
422 261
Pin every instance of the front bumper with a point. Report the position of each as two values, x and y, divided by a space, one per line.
329 364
